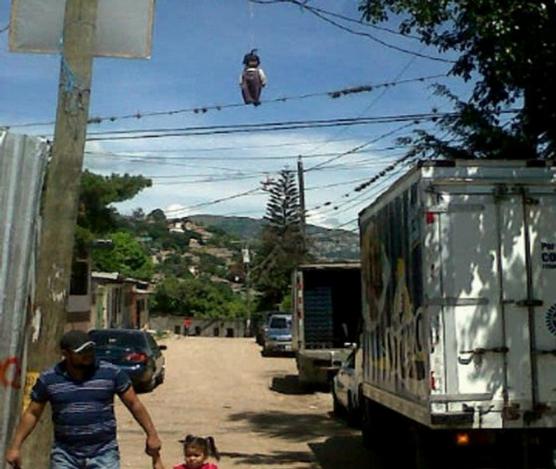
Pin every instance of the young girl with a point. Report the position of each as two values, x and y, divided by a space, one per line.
197 451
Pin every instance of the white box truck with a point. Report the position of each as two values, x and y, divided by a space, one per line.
326 300
459 307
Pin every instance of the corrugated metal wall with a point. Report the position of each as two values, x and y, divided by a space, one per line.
23 162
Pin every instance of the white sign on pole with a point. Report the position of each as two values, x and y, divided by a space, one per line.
246 256
124 27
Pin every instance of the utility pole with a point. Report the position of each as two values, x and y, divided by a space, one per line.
301 182
60 206
246 265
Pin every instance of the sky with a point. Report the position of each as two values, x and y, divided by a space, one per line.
197 52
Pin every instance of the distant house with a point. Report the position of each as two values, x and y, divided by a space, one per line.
200 327
119 301
176 226
100 300
78 306
181 225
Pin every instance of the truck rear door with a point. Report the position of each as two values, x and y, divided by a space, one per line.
540 207
486 296
471 291
498 274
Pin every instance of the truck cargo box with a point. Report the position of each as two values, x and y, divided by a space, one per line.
459 295
326 317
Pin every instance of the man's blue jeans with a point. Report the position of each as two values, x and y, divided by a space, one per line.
60 459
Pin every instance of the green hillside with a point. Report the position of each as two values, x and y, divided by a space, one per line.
326 244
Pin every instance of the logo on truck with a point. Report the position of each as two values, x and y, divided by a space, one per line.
548 255
550 319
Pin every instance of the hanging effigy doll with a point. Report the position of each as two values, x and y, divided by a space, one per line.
253 78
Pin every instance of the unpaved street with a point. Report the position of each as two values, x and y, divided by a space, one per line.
251 405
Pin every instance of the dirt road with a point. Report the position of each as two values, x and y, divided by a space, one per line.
250 404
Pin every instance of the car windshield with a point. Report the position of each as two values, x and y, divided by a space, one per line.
280 323
117 339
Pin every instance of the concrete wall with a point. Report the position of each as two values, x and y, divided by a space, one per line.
200 327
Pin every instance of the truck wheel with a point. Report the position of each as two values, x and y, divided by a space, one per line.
337 408
420 449
368 423
353 413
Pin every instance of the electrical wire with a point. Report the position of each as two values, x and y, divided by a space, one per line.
357 33
253 191
377 98
360 147
265 127
228 148
388 169
151 158
363 23
203 109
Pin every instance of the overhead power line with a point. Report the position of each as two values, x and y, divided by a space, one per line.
338 93
227 148
375 39
359 147
264 127
151 156
370 106
364 185
363 23
361 198
214 202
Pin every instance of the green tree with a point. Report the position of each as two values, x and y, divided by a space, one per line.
176 266
126 256
99 192
510 47
197 297
96 218
282 244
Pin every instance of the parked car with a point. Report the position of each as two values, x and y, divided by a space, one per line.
346 387
262 325
278 336
134 351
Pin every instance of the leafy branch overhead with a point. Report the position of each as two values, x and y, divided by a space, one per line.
98 192
509 50
97 218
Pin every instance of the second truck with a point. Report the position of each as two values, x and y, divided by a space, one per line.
326 321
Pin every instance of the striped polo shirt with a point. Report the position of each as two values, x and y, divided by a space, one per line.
82 411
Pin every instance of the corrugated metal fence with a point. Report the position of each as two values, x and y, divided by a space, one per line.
22 167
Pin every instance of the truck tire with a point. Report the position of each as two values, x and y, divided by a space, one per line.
337 408
353 413
369 424
420 448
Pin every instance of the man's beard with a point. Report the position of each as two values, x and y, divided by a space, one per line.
85 366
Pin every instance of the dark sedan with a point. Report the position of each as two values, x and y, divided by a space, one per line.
134 351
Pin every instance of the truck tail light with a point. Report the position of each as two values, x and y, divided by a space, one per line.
463 439
430 218
137 357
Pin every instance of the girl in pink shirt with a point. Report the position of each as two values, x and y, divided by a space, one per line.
197 450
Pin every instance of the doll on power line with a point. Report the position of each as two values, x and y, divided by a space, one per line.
253 79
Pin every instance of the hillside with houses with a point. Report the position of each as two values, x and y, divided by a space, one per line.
194 267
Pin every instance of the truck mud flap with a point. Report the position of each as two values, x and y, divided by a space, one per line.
453 419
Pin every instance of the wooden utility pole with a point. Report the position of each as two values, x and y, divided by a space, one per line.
301 182
60 206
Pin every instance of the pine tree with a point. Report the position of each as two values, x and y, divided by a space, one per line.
282 240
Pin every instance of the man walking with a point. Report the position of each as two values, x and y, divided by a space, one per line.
81 391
